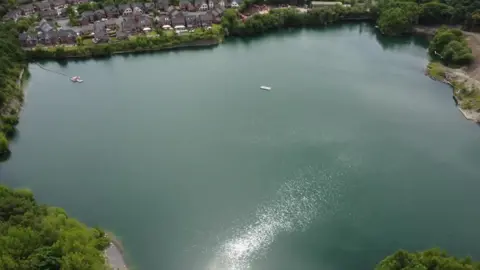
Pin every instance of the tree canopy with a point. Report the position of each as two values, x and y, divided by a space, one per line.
432 259
451 47
34 236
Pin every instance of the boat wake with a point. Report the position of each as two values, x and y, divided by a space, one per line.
298 202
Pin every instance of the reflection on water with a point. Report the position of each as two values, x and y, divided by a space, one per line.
312 194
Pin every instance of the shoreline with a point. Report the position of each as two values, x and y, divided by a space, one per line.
459 80
203 43
114 254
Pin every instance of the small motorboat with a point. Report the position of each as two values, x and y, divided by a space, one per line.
265 88
76 79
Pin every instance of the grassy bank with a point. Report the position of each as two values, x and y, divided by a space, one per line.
466 90
163 40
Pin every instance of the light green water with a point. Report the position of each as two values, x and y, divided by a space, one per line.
352 155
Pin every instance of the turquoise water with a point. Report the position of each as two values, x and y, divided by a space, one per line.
352 155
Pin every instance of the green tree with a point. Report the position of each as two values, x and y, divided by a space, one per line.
394 21
433 259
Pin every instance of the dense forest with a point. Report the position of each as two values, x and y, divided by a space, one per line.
34 236
12 64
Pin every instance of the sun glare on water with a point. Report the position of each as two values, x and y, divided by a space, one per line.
308 196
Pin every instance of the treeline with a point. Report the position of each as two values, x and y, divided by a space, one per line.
433 259
397 17
138 44
12 64
290 18
34 236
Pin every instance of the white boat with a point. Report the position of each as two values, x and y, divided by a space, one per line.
76 79
265 88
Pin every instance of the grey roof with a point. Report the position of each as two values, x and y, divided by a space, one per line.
58 2
22 36
99 12
139 5
48 13
123 7
66 33
26 7
87 13
44 26
42 5
111 8
87 28
111 22
149 5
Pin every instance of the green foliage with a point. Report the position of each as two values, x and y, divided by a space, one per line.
451 47
34 236
436 13
289 18
432 259
398 17
86 6
3 147
436 71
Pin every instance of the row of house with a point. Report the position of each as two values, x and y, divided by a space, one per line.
46 34
45 9
139 9
131 25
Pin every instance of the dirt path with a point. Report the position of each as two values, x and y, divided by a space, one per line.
473 40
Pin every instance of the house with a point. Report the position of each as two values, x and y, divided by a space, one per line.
27 9
111 24
100 32
125 9
62 12
67 36
149 7
144 21
121 35
186 5
192 19
100 14
27 40
48 14
137 11
13 14
58 3
206 19
217 14
42 6
48 38
211 4
162 5
111 11
178 19
87 17
236 3
171 10
86 29
162 20
201 5
128 25
44 26
220 3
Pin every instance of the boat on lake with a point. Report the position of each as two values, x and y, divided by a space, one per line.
268 88
76 79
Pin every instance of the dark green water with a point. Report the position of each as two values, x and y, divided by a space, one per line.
352 155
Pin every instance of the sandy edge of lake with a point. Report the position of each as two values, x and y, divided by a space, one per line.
114 254
469 76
